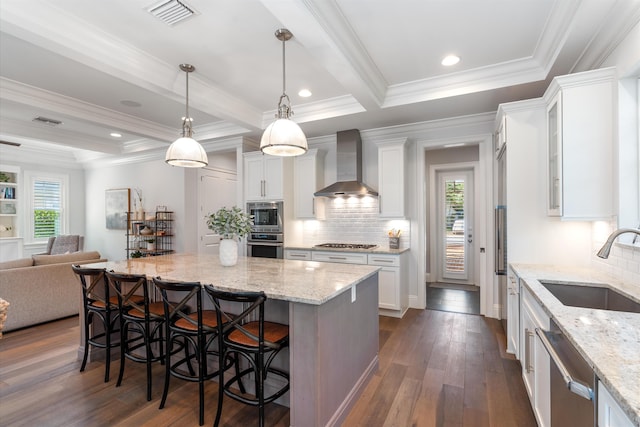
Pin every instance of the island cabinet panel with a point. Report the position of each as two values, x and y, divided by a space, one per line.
323 336
609 412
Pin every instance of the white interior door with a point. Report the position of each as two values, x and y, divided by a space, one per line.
217 189
455 226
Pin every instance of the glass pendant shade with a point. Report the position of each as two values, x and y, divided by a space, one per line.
187 153
283 138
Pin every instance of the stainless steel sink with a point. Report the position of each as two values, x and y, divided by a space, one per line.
599 297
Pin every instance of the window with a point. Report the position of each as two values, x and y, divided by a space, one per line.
46 205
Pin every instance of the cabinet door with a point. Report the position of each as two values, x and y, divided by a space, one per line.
389 288
554 153
391 179
308 179
609 412
528 343
513 315
253 178
273 178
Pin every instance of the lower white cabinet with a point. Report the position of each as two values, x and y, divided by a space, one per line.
393 292
609 412
513 314
534 358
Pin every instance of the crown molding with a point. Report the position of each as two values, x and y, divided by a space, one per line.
39 155
319 110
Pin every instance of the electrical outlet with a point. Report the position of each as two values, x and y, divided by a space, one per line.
353 293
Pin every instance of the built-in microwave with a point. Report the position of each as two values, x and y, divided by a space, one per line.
267 216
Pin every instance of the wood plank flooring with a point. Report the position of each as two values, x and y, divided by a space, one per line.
436 369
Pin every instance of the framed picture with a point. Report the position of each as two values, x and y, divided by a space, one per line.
8 208
117 207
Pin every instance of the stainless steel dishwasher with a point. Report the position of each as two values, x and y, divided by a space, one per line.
572 381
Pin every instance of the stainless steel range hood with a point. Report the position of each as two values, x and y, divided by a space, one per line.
349 168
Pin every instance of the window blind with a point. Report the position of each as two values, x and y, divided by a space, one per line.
47 207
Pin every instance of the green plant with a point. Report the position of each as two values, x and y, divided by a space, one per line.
230 223
151 240
136 254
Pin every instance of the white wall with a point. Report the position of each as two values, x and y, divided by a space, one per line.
160 183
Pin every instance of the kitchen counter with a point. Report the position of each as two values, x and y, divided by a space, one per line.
376 250
327 307
608 340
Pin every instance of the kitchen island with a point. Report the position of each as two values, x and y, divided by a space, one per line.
331 310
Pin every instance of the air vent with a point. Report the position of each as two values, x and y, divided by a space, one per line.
14 144
171 12
46 121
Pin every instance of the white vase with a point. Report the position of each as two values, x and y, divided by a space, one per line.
228 252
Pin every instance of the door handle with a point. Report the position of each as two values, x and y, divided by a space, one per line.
574 386
470 238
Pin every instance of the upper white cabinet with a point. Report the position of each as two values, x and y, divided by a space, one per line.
391 178
264 176
308 172
580 144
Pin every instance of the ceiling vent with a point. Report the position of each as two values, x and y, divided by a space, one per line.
13 144
171 11
46 121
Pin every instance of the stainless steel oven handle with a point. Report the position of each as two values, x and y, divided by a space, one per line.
264 244
574 386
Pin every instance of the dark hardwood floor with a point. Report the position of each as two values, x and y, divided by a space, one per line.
454 298
436 369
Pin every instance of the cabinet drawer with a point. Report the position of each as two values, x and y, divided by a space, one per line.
384 260
300 255
339 257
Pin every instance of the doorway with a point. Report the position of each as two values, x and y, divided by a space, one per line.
454 226
216 189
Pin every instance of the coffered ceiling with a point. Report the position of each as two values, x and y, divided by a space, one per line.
112 66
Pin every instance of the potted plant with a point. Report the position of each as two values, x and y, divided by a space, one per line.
151 244
232 225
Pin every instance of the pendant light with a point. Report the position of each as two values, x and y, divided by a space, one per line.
186 151
283 137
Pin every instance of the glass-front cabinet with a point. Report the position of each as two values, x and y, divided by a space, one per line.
554 150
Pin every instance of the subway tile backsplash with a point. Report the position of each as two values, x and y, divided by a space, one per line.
354 220
623 263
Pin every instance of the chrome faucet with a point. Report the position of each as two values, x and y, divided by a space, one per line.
606 248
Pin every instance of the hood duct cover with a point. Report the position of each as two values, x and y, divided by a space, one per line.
349 168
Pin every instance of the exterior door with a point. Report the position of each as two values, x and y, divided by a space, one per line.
455 225
217 189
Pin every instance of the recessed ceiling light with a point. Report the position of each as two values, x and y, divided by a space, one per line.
116 135
450 60
304 93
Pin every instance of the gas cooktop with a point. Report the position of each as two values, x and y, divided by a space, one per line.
346 246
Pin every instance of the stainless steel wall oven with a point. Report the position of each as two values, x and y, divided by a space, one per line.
266 239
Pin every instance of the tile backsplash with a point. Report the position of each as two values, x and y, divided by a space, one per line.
354 220
623 263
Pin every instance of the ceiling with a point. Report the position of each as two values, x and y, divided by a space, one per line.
111 66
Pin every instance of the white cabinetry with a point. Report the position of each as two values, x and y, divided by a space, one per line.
393 292
10 194
308 172
264 176
535 359
609 412
297 254
580 141
391 178
513 313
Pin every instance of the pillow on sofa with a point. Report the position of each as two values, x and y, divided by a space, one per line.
58 259
16 263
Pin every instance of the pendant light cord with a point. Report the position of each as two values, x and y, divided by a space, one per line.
187 131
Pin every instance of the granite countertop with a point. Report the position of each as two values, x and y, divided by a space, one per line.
290 280
376 250
608 340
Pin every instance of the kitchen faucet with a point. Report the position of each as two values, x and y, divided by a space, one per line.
606 248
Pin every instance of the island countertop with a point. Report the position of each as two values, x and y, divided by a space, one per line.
289 280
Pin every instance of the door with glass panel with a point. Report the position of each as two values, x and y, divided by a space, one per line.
455 225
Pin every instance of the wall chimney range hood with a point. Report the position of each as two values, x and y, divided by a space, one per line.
349 168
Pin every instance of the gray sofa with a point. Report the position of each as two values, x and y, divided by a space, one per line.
42 288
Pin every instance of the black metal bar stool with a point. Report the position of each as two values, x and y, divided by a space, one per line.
195 332
255 341
141 323
98 306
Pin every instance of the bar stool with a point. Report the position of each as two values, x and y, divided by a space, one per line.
141 323
255 341
196 331
97 306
